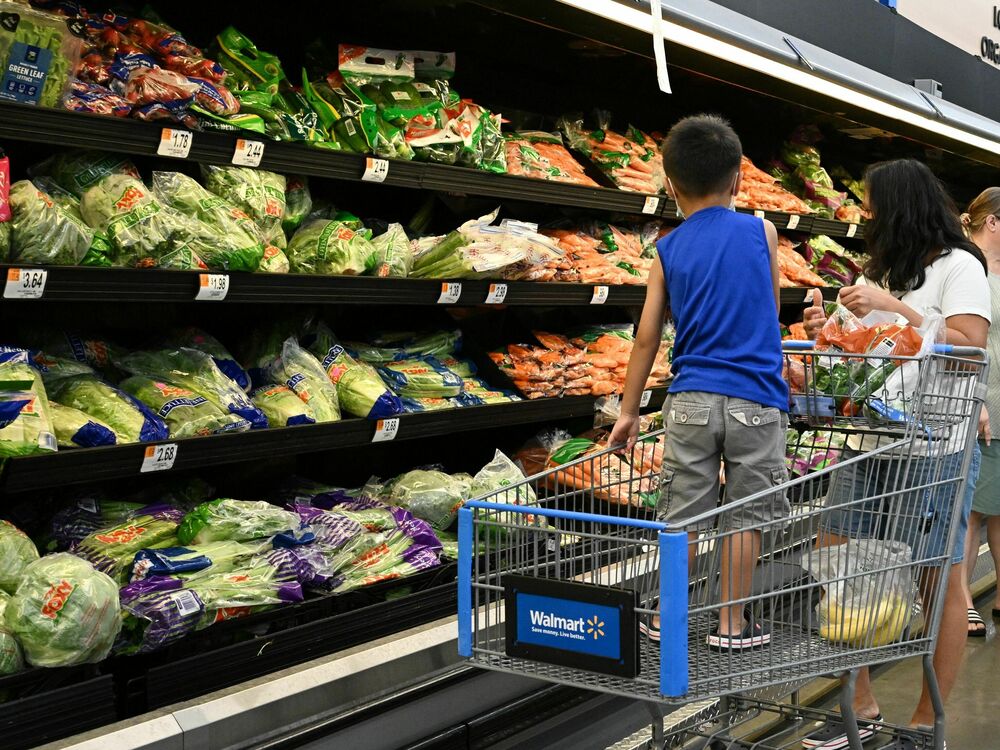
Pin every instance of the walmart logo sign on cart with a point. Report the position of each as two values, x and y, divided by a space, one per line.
580 627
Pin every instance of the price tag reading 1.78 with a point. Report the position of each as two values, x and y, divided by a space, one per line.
212 286
248 153
450 293
159 458
386 429
175 143
25 283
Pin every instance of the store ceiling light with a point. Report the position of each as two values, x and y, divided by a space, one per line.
638 18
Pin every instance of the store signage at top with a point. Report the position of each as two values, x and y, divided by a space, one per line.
967 30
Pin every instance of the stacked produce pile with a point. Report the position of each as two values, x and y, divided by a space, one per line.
759 190
793 267
631 161
604 253
831 260
544 157
592 361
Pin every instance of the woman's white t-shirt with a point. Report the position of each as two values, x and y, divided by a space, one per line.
955 284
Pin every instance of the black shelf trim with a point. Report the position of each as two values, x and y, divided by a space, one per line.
87 465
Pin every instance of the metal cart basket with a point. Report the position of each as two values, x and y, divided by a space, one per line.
560 576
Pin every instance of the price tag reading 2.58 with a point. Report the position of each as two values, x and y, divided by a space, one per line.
497 294
386 429
25 283
175 143
159 458
212 286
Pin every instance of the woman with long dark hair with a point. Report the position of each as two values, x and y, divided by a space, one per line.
919 261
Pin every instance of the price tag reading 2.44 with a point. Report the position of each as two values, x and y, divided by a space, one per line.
248 153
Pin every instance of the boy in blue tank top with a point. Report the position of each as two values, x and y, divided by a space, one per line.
718 277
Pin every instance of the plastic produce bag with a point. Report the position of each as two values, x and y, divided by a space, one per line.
78 171
112 548
234 520
221 557
226 237
195 338
76 429
282 406
861 607
99 252
499 473
25 418
258 193
11 655
186 413
328 248
131 420
423 377
247 67
298 203
42 231
303 373
143 233
431 495
274 261
393 255
195 371
64 612
17 552
360 390
38 53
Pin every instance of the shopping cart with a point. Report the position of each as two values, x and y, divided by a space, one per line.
561 575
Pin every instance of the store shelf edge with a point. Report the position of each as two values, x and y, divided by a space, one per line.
82 466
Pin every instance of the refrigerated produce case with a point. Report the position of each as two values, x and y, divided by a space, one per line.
379 655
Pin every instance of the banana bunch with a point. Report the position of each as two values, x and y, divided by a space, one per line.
868 626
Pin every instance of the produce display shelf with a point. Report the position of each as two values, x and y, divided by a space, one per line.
109 285
89 465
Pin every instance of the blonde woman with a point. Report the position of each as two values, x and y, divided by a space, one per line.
982 225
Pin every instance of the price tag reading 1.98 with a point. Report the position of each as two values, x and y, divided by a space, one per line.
450 293
25 283
212 286
497 294
248 153
600 295
386 429
159 458
175 143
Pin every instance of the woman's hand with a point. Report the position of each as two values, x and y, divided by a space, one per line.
861 300
814 317
626 430
985 434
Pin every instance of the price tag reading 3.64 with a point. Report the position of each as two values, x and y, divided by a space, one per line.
25 283
159 458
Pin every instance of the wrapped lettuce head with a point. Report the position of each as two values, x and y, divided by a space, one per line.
131 420
298 203
235 520
25 417
302 373
77 429
17 552
228 238
274 260
11 656
431 495
42 231
194 371
186 413
421 377
195 338
281 406
393 254
99 253
327 247
111 549
78 171
360 390
259 194
142 232
64 612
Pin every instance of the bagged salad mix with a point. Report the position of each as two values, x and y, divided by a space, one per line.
329 247
43 231
38 52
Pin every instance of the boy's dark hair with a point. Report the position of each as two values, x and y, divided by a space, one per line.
701 155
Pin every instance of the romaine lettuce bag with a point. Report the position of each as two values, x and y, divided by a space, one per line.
423 377
229 239
112 549
64 612
303 374
298 203
195 371
258 193
17 552
194 338
274 261
393 254
42 231
187 414
360 390
142 232
327 247
131 420
84 515
235 520
76 429
25 417
221 556
78 171
282 406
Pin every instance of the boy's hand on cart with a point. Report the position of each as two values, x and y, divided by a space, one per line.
814 317
861 300
985 433
625 431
